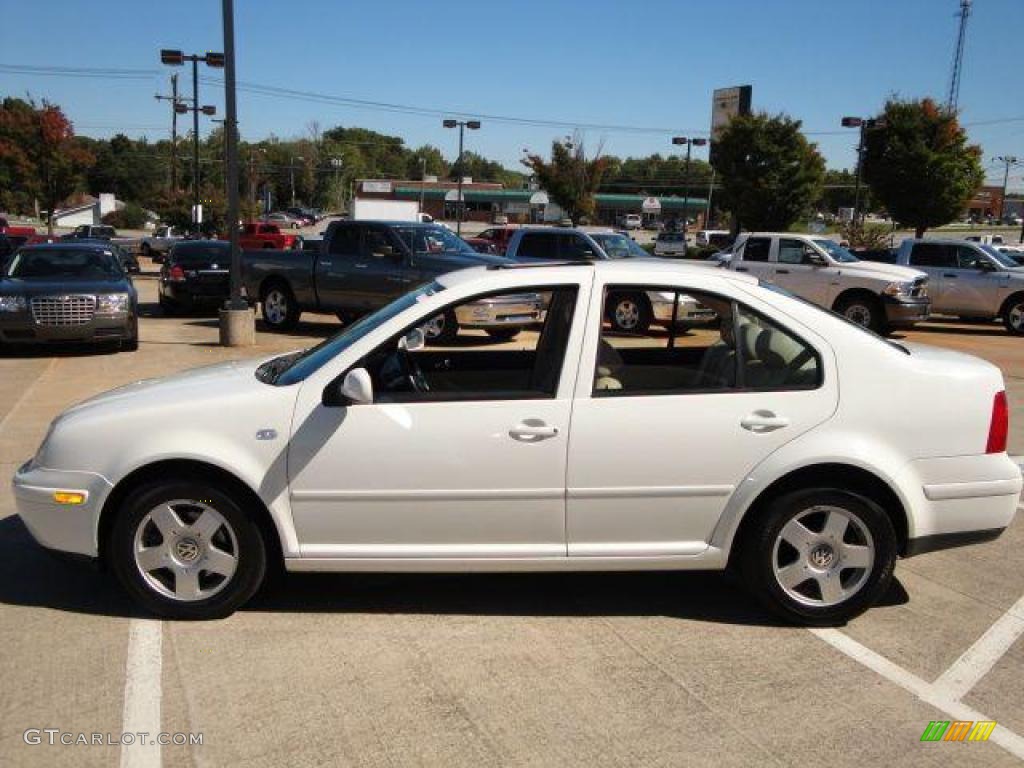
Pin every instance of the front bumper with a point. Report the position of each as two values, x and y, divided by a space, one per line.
61 527
904 311
689 311
515 311
20 328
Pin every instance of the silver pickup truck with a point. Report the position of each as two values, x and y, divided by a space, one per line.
968 279
360 266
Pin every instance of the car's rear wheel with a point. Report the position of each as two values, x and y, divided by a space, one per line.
279 309
1013 315
629 313
819 556
186 550
441 329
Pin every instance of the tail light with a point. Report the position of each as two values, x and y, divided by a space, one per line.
176 274
999 427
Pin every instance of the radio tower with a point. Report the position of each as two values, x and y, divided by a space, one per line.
958 57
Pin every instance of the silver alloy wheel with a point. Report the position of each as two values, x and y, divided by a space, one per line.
434 327
825 550
859 314
275 306
185 550
627 314
1017 317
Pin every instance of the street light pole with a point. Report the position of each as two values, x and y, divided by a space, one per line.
423 179
690 143
864 124
473 125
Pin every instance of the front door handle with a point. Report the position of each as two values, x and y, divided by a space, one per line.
532 431
760 422
781 271
950 275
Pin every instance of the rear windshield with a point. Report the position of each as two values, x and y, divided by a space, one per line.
51 263
200 254
103 231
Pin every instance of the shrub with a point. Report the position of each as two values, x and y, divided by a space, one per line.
132 216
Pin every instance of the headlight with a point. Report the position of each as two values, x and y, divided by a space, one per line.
13 304
112 303
898 289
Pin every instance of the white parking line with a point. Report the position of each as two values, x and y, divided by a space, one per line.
142 693
926 692
977 660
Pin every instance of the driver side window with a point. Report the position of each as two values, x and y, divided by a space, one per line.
499 346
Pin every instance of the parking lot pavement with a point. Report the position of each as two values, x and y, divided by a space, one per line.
531 670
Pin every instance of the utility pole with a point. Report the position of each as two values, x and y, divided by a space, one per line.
1007 161
423 179
173 98
291 169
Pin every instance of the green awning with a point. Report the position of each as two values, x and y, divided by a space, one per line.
635 202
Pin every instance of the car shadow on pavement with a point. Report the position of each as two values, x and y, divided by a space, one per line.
31 576
58 350
962 329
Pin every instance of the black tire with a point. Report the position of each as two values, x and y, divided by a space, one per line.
629 313
1013 314
503 334
279 308
132 344
864 310
168 306
147 250
758 556
444 330
230 593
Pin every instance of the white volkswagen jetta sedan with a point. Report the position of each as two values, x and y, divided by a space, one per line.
778 440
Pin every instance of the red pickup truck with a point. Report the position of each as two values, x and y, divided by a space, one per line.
257 234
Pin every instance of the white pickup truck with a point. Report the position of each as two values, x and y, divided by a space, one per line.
877 296
157 245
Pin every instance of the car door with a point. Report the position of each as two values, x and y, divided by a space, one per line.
937 260
977 286
574 247
796 271
473 469
754 258
358 273
666 428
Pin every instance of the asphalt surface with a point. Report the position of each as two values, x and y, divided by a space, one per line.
520 670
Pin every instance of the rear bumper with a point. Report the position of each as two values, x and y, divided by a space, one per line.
495 313
960 500
689 311
906 311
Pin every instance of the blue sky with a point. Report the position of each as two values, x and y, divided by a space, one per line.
652 63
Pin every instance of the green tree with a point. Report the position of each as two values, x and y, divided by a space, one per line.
770 174
570 178
919 164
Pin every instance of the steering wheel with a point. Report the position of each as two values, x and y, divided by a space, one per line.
413 373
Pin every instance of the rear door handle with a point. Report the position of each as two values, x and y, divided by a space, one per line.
763 421
949 275
532 431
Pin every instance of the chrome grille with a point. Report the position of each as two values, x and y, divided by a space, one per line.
63 310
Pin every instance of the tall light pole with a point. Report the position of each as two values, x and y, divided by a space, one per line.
291 169
423 179
336 164
864 124
175 58
473 125
690 143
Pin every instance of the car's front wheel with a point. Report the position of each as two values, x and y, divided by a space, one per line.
441 329
863 310
819 556
186 550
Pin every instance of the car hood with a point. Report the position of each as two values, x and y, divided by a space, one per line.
210 381
19 287
882 270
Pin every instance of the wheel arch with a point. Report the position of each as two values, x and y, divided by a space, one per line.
1013 297
190 469
840 475
856 292
271 280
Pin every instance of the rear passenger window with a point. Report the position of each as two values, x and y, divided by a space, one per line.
933 255
716 345
757 249
538 245
345 242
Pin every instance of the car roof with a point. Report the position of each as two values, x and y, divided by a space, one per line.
71 245
608 268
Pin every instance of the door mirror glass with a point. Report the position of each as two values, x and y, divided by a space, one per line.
357 388
413 341
815 259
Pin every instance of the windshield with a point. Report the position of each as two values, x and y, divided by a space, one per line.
1001 258
297 366
47 264
619 246
433 240
836 251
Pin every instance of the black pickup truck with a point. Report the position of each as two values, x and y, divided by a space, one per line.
359 267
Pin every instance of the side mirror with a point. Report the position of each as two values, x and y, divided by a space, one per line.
356 388
413 341
817 260
984 265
